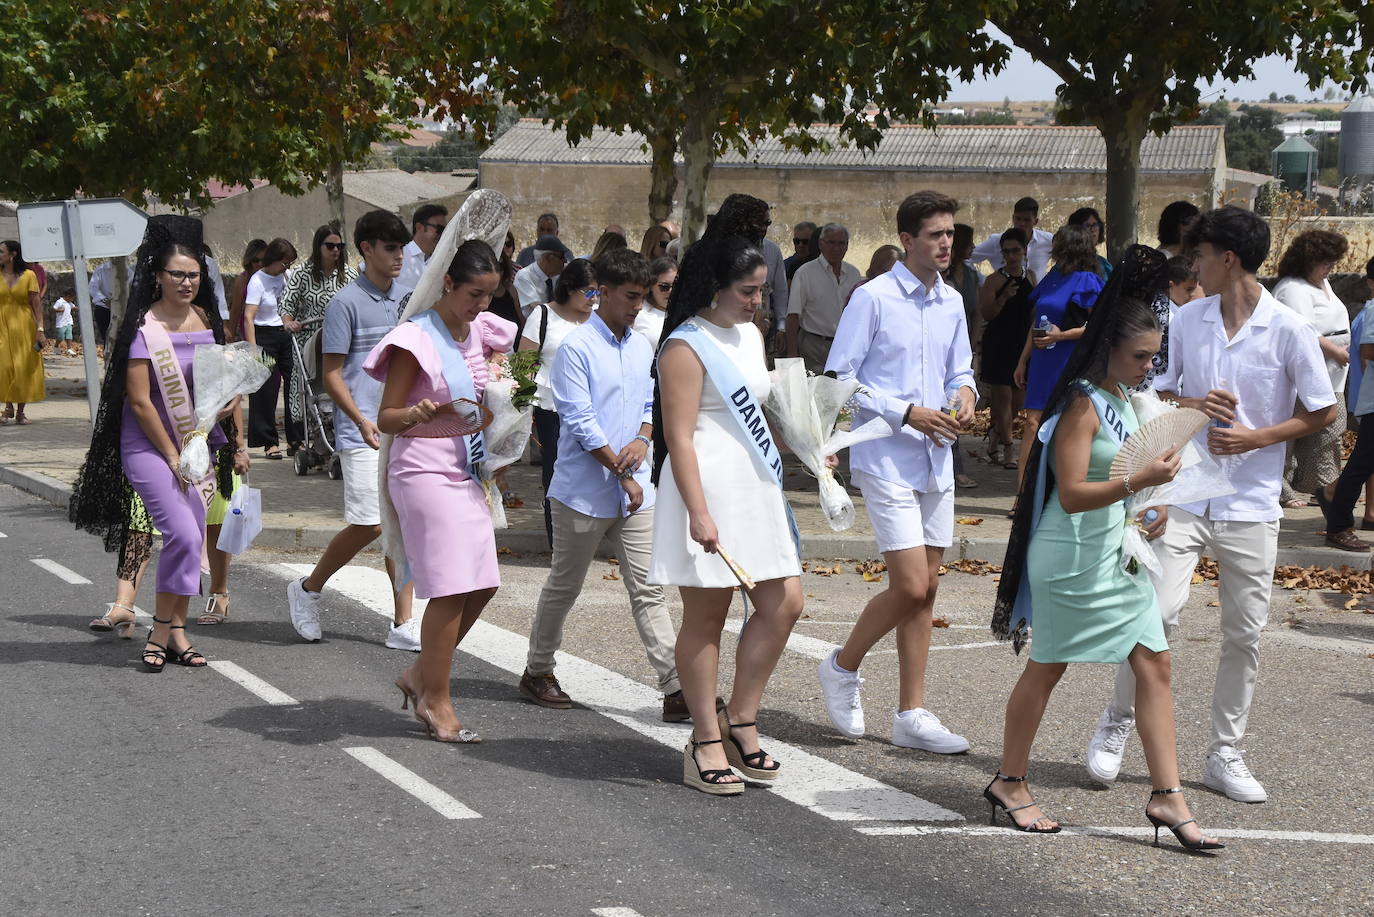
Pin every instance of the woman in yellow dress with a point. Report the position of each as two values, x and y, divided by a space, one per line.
21 335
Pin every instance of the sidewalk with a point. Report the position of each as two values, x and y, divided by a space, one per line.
305 512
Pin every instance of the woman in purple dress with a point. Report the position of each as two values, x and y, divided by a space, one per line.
146 405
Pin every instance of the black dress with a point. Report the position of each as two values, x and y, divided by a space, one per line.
1004 337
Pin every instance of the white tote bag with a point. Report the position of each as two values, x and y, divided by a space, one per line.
242 522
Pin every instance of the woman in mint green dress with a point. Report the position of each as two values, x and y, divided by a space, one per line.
1064 556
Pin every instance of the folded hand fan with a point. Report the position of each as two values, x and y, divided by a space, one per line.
1154 438
460 417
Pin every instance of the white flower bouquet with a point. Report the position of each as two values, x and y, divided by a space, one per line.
805 410
505 437
222 372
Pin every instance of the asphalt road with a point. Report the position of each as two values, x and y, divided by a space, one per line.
312 793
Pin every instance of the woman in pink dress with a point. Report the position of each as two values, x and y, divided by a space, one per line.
444 520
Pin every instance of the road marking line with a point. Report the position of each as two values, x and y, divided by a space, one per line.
3 535
1131 831
61 572
616 912
820 649
252 683
811 781
411 782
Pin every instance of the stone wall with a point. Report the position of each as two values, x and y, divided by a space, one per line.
587 197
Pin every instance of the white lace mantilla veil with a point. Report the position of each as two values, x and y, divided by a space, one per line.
485 215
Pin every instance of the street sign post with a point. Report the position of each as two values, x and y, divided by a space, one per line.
74 231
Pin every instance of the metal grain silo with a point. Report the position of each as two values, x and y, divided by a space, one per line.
1357 141
1295 164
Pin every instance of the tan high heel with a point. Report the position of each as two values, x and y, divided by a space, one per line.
212 613
462 736
104 624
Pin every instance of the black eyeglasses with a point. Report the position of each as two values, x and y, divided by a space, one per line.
333 246
183 276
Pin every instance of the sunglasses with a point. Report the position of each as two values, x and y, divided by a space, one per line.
332 246
591 294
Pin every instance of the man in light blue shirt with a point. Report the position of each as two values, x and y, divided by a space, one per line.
904 338
601 485
1340 496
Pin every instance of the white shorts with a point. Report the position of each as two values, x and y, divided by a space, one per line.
360 486
904 518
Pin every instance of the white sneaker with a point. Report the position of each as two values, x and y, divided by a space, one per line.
841 691
919 728
1107 746
1226 772
405 636
305 610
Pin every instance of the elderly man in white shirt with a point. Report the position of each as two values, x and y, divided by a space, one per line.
820 288
1025 216
426 226
534 284
1247 362
903 337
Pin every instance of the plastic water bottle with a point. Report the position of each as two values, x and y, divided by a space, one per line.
1042 328
1225 385
1151 516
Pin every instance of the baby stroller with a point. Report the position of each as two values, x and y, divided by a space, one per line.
318 449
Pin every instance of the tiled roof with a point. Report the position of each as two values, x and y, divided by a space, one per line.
948 149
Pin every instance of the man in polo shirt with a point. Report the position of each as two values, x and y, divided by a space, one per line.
819 291
1247 362
1025 216
601 483
426 226
534 284
903 338
358 317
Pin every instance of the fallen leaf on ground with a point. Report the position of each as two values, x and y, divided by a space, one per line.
969 520
939 622
1213 604
611 575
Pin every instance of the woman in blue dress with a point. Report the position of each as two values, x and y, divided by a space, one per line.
1064 557
1063 298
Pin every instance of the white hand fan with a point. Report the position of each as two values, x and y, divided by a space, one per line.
459 417
1154 438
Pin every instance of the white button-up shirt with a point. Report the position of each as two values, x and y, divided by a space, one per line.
818 295
906 344
1037 258
531 286
413 266
1272 362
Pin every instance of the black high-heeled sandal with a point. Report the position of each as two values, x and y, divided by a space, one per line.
157 656
187 657
750 765
712 782
996 804
1161 823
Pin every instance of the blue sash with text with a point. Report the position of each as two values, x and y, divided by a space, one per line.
458 378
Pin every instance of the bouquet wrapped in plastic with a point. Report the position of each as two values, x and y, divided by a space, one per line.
804 410
1201 477
222 373
506 436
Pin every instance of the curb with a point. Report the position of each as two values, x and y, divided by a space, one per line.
534 541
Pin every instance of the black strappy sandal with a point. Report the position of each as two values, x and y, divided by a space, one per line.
1161 823
996 804
154 660
750 766
187 657
712 782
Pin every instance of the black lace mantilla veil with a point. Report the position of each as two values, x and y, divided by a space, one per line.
102 497
1139 275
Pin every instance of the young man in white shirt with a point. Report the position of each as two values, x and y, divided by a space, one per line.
1246 362
426 226
903 337
1025 216
818 292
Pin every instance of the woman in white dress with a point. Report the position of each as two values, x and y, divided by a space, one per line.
719 487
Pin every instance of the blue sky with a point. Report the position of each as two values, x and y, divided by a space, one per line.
1025 80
